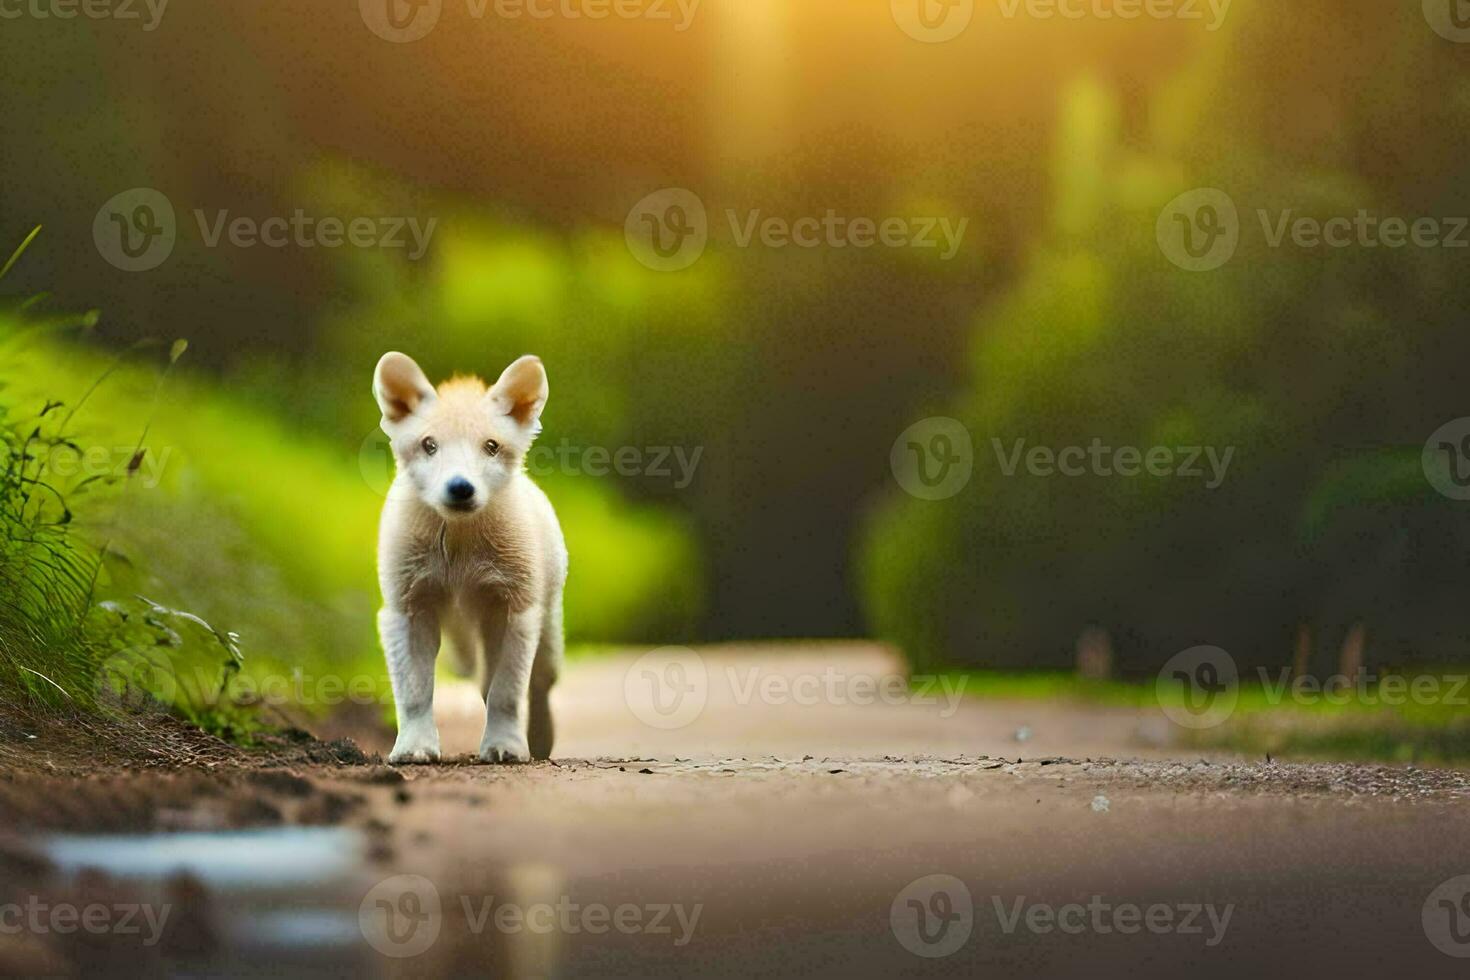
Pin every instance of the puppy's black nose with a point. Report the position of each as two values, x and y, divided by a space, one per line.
460 490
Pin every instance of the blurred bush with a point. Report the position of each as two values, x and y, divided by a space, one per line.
1324 369
248 518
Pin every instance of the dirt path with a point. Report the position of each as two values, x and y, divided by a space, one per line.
788 827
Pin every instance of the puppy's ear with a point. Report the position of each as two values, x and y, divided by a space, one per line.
400 387
521 392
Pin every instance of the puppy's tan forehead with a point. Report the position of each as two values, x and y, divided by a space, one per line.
461 411
460 408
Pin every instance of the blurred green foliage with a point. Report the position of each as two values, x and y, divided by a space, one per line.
231 509
793 370
1324 369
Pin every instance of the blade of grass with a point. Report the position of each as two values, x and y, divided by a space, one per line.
15 256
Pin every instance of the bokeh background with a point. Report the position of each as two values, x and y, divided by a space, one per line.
791 370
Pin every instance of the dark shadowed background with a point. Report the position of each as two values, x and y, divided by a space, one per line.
1060 318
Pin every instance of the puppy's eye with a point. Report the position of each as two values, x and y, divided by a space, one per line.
492 448
430 444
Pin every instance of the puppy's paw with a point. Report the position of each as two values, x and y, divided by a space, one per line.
414 751
504 747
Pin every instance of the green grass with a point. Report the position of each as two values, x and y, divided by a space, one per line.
1264 721
1045 685
75 635
244 517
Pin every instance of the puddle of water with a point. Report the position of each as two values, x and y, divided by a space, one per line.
235 860
275 899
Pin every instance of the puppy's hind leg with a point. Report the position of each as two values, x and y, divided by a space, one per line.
542 731
462 643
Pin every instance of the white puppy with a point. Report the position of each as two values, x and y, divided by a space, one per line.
470 550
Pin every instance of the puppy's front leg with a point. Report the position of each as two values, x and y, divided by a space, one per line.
505 698
410 644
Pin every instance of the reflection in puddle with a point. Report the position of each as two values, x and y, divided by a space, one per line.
275 858
274 900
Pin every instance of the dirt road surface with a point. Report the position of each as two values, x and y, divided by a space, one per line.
750 812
